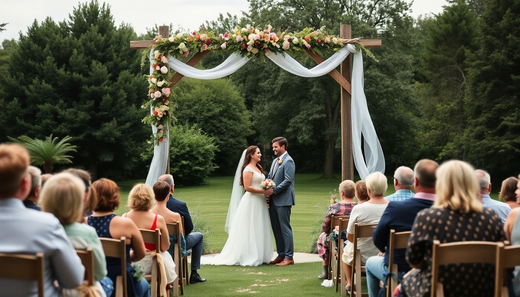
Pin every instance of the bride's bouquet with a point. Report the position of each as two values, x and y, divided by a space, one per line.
267 184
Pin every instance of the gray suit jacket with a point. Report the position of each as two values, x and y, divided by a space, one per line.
29 231
283 177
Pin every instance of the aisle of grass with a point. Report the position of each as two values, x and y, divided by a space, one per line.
210 202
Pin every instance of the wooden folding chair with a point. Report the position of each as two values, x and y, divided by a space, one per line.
153 237
340 274
25 267
464 252
117 248
509 259
398 240
175 229
334 221
87 259
185 262
360 231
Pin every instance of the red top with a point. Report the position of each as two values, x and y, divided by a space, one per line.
151 246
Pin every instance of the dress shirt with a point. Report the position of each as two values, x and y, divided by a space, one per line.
400 195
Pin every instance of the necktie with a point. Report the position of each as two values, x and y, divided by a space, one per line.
276 165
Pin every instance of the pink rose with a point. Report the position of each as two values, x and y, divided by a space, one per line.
186 53
166 91
286 45
226 35
203 47
327 39
308 45
164 59
157 94
239 38
223 46
266 37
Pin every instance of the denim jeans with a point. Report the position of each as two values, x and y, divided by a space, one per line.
376 272
194 241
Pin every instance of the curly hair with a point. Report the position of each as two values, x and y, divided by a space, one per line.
107 194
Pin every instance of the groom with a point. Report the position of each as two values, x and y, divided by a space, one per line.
281 201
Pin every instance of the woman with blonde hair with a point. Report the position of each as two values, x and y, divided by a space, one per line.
63 197
140 201
109 225
459 213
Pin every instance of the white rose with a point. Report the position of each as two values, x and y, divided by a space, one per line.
154 80
295 40
249 48
164 70
159 84
164 59
254 51
223 46
286 45
171 39
157 94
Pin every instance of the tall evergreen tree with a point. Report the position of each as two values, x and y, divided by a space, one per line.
450 39
80 78
492 135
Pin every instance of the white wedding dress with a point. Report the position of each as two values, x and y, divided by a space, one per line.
250 241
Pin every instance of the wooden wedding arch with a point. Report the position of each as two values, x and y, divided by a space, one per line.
343 78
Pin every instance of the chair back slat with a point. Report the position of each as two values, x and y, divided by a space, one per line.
87 259
397 240
464 252
152 237
175 229
117 248
24 267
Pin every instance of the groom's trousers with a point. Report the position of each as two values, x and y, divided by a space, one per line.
283 236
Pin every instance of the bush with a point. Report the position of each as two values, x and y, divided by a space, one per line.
191 155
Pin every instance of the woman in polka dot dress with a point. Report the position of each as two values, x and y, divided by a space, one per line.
457 215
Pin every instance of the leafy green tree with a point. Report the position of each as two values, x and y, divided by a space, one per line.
492 137
47 152
80 78
191 155
450 39
218 109
307 110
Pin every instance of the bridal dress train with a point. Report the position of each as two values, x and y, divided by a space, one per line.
250 242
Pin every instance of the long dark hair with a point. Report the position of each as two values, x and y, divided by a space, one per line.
247 159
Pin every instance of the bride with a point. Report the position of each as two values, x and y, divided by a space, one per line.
250 241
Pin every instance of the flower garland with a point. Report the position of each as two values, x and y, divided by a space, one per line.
248 41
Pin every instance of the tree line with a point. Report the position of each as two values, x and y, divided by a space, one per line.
444 87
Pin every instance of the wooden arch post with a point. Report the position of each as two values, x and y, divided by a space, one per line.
343 78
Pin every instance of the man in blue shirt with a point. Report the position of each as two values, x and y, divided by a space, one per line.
501 208
403 182
400 215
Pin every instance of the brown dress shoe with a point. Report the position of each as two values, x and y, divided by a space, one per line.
285 262
277 260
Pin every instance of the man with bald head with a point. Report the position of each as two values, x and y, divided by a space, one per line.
400 215
27 231
403 182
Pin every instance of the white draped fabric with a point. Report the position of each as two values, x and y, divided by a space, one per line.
362 127
236 193
366 160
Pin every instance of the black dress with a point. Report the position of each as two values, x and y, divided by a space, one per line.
446 225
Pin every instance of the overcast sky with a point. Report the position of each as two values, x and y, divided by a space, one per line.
188 14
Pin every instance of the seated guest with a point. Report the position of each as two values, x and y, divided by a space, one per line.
347 191
90 198
44 178
361 192
501 208
161 192
512 229
109 225
400 215
403 182
369 212
27 231
140 201
194 240
63 197
456 215
32 199
507 192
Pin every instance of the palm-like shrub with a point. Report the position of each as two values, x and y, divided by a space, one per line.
47 152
